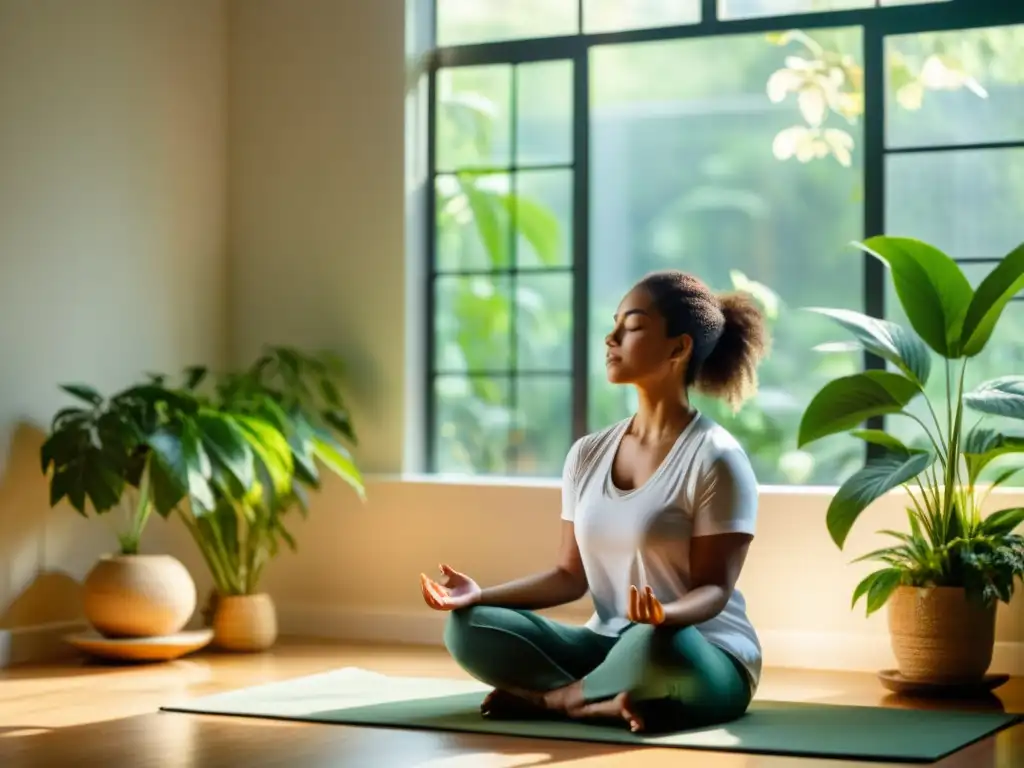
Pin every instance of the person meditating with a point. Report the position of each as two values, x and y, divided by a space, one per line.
658 513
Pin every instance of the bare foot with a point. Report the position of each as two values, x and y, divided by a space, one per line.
506 705
618 708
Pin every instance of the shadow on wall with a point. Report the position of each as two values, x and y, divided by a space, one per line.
32 538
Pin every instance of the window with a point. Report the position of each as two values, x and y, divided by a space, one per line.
955 173
579 145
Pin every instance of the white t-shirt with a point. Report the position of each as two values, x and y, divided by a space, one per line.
705 486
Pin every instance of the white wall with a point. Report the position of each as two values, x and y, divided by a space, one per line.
112 241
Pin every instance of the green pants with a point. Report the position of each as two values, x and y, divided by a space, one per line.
674 676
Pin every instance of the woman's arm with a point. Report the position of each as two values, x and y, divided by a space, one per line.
724 521
715 565
564 583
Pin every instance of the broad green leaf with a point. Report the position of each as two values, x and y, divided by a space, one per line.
84 393
931 287
194 376
1004 476
1002 522
489 224
538 226
271 450
338 460
999 397
983 445
888 340
990 299
878 476
103 486
881 589
879 437
340 421
878 587
199 470
847 402
168 472
227 445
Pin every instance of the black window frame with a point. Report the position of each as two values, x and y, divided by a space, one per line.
876 24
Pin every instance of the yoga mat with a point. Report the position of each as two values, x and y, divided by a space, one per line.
354 696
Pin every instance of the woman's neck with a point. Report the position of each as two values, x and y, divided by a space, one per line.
661 415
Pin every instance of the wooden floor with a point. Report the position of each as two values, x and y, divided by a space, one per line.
82 714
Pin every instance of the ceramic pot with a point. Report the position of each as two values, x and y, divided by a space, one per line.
138 596
245 623
939 636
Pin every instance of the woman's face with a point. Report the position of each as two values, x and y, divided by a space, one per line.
637 350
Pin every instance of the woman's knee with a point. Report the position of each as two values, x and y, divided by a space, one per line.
466 630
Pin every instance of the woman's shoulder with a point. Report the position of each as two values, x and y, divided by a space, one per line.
588 449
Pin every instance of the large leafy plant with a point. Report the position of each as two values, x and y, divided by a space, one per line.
286 422
128 453
949 542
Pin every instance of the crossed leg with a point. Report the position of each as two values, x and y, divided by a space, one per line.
653 678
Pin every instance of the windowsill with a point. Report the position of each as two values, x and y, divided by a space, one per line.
498 481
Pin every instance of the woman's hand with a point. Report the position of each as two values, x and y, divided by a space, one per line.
456 591
644 607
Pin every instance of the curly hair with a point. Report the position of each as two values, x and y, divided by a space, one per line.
728 333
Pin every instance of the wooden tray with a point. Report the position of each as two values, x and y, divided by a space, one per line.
895 682
164 648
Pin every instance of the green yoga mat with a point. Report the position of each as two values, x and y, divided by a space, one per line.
358 697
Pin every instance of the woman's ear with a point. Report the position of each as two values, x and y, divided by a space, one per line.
681 349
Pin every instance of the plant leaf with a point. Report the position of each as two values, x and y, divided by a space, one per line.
999 397
1002 522
879 437
881 589
194 376
538 225
199 470
84 393
168 473
983 445
933 290
338 460
485 206
847 402
227 446
878 476
990 299
886 339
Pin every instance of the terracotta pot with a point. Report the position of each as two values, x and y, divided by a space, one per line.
938 635
245 623
138 596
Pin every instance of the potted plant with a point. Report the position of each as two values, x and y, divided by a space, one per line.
104 456
944 575
291 423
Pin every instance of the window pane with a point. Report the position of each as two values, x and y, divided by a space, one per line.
473 425
708 174
544 216
481 21
472 323
743 9
615 15
544 322
544 120
473 222
967 203
964 203
962 87
474 117
543 429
